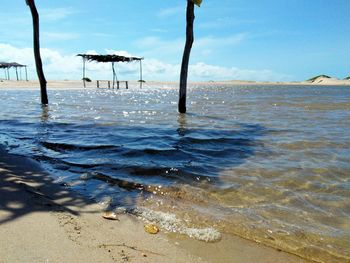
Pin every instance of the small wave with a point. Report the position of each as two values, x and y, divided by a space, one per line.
171 223
58 163
115 181
183 193
166 173
61 147
128 152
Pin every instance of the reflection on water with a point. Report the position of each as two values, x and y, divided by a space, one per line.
182 124
45 113
267 163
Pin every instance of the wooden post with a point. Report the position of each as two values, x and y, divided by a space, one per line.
26 73
16 73
113 74
126 85
109 84
98 84
117 84
141 80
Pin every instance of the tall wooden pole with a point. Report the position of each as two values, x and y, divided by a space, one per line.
186 56
37 56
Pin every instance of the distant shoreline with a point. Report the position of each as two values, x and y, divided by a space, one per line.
78 84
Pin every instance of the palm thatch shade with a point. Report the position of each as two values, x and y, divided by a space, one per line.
11 65
7 65
110 59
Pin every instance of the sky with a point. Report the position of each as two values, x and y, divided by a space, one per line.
269 40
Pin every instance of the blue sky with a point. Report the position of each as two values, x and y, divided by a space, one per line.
275 40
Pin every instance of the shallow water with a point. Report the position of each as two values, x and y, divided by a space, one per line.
269 163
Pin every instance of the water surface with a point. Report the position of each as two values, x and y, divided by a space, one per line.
268 163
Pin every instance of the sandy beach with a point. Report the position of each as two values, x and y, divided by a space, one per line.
42 221
77 84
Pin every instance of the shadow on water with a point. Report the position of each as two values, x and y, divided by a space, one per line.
129 159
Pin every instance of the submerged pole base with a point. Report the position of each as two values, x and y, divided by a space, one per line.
182 105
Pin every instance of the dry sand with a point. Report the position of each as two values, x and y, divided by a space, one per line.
41 221
76 84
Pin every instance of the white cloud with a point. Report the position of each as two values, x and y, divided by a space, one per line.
119 53
10 53
158 70
63 66
203 71
56 65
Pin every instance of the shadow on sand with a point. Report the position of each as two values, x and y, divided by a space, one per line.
25 188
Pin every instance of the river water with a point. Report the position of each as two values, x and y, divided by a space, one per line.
268 163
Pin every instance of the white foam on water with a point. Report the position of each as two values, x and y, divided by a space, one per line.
171 223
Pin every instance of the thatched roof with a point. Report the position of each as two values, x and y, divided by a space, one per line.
4 65
108 58
15 64
11 65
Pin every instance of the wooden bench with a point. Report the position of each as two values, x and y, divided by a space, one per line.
98 82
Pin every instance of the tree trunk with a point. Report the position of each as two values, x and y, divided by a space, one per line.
37 56
186 56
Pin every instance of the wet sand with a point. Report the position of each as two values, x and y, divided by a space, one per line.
41 221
